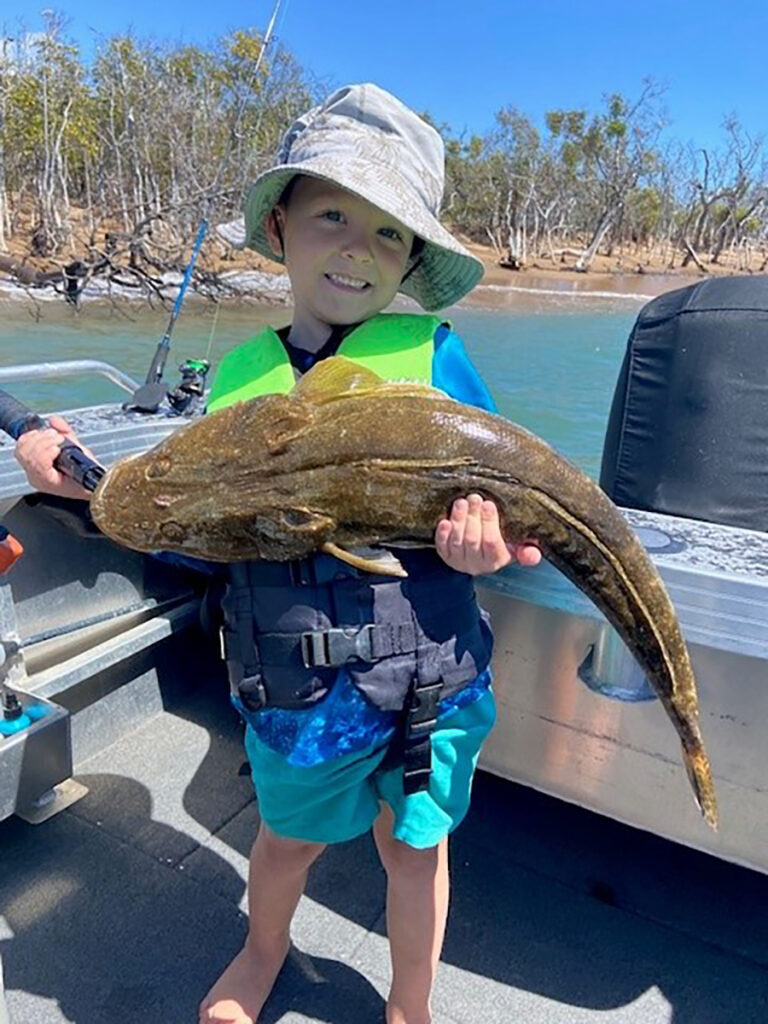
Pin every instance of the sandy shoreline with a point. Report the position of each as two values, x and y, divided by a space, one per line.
250 278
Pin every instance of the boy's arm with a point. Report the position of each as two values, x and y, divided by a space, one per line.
454 372
470 540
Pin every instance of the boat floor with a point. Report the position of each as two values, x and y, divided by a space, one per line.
125 907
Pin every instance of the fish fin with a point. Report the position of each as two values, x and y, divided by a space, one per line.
390 567
336 376
700 776
278 418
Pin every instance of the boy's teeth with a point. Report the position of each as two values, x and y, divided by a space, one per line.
352 282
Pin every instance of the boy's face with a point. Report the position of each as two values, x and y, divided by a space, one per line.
344 256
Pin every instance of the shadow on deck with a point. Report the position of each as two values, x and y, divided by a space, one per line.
126 907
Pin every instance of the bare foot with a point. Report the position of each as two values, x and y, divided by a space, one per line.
241 991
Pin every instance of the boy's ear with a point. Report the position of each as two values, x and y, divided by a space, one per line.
275 227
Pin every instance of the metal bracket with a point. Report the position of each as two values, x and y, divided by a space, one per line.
12 668
609 669
53 800
36 761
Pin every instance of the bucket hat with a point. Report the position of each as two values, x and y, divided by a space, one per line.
364 140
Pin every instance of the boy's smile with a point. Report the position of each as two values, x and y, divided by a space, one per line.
345 257
345 282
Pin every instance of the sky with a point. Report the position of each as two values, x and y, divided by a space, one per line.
462 60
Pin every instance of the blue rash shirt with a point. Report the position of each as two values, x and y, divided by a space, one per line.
345 721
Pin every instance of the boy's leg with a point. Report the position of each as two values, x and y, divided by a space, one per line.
277 875
417 900
417 910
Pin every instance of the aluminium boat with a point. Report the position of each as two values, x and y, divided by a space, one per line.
88 630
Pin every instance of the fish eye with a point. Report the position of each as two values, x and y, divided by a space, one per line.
172 531
158 467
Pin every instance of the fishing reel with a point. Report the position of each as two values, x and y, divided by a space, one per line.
188 393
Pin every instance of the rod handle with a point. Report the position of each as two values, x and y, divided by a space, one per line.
16 419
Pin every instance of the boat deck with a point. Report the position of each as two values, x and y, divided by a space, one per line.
125 907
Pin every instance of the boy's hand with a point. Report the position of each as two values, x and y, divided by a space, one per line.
471 541
36 450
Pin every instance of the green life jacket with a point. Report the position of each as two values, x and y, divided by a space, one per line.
396 346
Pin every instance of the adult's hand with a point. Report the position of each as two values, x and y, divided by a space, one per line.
36 451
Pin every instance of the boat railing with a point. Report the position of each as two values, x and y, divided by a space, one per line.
68 368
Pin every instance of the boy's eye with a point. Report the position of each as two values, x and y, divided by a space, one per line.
392 233
333 215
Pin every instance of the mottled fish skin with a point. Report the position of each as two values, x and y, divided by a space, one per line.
349 459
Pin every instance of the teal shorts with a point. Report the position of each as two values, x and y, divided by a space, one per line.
341 798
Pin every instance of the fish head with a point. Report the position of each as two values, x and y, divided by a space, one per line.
214 485
141 504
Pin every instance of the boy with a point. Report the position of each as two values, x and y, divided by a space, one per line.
384 734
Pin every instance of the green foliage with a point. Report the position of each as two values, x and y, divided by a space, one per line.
44 99
145 130
644 207
568 123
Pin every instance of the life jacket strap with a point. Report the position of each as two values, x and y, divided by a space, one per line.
420 722
335 647
327 648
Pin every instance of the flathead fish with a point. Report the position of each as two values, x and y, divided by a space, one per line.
347 459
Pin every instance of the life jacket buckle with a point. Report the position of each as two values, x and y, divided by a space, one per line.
252 693
331 648
421 711
420 721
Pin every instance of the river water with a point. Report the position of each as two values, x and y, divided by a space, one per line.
550 360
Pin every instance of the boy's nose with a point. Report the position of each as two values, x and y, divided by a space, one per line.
357 247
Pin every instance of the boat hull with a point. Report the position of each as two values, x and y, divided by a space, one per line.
557 731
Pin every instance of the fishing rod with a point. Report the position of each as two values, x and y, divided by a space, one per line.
16 419
240 110
148 396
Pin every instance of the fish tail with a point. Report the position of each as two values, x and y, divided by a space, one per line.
700 775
